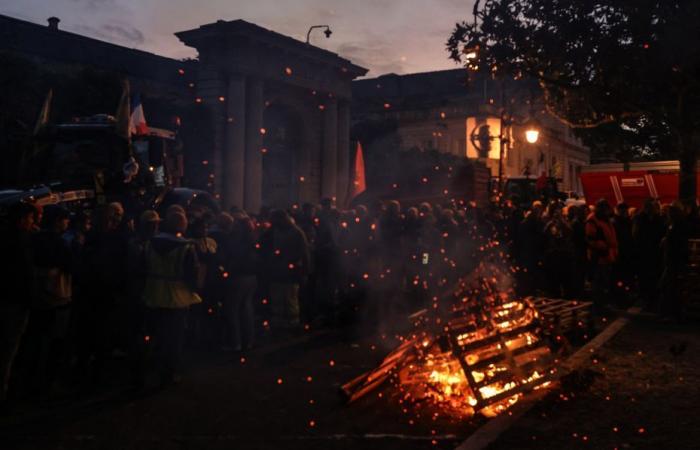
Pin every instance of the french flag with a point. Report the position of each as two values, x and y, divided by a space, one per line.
137 121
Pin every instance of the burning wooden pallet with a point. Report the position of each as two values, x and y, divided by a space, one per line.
482 360
562 316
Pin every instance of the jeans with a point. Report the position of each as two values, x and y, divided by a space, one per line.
601 282
285 304
240 313
168 328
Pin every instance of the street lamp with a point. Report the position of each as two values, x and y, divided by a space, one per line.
532 129
471 55
532 135
327 32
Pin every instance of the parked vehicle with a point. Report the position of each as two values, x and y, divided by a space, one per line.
631 183
190 199
525 189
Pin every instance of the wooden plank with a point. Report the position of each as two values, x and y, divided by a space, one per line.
510 375
516 352
366 389
496 337
565 309
465 368
356 387
487 434
518 389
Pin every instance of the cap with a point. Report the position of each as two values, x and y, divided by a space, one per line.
149 216
176 222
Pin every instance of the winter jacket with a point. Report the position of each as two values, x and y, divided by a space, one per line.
602 241
286 254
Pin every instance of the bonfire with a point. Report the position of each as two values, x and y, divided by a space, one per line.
478 349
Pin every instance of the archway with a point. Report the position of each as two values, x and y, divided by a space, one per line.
281 145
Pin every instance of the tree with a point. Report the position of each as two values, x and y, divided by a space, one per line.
628 69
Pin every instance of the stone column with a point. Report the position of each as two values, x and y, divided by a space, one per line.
234 155
210 86
343 151
254 142
329 155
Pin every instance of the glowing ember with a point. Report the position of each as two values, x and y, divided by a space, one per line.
488 355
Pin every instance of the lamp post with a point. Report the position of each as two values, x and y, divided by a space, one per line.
481 138
502 140
471 52
327 32
532 135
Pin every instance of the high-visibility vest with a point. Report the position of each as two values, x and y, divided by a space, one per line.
165 286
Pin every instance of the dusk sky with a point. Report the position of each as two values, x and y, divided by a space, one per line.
400 36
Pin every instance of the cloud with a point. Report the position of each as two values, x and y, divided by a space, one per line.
95 4
379 58
373 33
127 33
114 32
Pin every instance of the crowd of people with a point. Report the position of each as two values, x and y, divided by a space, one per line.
80 288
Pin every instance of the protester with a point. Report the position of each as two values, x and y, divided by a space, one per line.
101 315
675 258
576 216
602 250
17 279
286 258
243 266
623 275
559 256
528 245
171 269
133 288
208 280
53 293
647 233
148 225
327 257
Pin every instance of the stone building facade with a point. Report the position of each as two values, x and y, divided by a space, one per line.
279 108
282 114
444 110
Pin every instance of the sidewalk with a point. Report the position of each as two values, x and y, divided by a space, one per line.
640 390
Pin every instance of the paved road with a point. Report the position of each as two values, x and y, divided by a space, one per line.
638 384
230 404
642 391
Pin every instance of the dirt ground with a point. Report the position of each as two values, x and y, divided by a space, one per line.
641 390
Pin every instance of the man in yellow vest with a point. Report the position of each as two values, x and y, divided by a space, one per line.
171 269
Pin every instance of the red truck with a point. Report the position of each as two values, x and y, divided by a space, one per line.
632 183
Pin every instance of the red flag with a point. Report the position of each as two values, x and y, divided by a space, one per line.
358 185
541 182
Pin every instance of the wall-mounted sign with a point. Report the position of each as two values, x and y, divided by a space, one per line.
632 182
